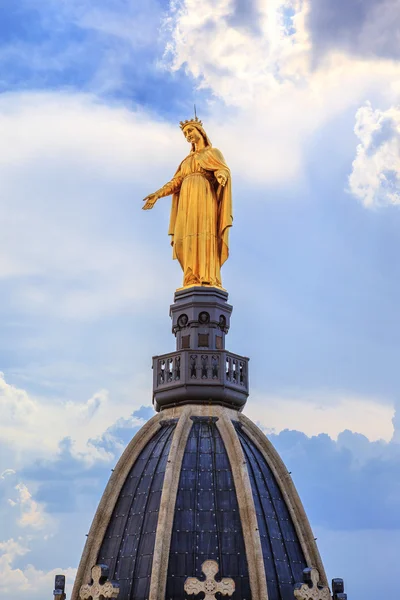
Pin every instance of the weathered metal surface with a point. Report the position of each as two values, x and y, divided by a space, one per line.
128 545
284 560
207 523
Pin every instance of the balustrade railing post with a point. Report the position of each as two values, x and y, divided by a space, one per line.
192 371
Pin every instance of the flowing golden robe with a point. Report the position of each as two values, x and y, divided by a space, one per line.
201 215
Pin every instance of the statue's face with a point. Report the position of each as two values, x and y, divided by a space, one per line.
191 134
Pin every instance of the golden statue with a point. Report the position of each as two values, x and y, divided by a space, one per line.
201 212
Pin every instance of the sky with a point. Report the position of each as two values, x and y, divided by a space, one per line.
303 99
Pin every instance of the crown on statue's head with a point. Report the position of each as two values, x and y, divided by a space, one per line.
194 121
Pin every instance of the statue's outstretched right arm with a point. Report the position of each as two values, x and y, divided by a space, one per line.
169 188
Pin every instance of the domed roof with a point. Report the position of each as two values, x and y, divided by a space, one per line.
200 483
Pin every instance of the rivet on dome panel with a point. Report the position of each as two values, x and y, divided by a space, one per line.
283 556
128 545
207 521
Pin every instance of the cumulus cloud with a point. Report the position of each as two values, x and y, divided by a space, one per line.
28 583
325 411
265 74
375 177
48 500
32 514
88 166
19 510
34 427
238 63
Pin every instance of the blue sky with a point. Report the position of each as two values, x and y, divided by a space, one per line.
302 98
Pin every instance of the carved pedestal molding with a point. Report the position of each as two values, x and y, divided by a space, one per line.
209 586
311 589
100 588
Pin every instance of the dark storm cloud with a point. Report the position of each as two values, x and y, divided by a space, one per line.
366 28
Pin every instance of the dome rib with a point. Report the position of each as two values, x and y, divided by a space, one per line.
108 501
128 545
289 494
207 521
167 506
246 504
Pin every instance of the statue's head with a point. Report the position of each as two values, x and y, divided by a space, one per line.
193 130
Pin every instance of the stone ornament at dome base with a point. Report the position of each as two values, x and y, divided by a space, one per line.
210 587
311 588
100 588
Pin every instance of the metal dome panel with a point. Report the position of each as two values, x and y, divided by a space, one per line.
284 559
128 545
207 520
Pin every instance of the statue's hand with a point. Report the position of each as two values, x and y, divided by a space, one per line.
150 201
222 179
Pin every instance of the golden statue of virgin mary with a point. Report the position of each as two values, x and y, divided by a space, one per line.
201 212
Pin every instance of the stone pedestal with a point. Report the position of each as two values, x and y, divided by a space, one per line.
201 370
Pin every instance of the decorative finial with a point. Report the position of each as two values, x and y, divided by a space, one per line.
338 589
59 587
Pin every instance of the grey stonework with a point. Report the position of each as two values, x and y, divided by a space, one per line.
200 370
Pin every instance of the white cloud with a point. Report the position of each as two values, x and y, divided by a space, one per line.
32 513
29 582
71 168
375 178
323 412
238 63
34 427
265 73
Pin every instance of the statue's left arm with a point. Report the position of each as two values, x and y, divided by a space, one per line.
222 176
213 160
